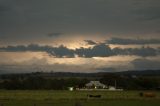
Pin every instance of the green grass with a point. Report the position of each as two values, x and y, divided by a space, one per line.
85 103
67 98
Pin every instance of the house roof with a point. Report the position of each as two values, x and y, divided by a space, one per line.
95 83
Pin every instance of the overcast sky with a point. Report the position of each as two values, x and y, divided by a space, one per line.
94 34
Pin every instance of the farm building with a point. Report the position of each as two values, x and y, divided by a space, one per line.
111 88
95 85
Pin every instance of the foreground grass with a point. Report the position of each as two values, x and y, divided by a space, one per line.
75 98
84 103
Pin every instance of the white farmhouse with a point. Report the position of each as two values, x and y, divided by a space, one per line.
95 85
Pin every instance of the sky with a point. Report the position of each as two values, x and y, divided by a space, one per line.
79 35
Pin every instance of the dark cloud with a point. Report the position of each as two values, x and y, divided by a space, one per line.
99 50
3 8
35 18
58 34
90 42
124 41
146 64
22 48
38 21
61 51
144 51
147 12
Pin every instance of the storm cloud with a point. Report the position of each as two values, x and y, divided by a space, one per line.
146 64
125 41
55 34
93 30
147 10
32 19
99 50
90 42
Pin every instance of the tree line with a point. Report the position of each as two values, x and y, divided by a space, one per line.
35 82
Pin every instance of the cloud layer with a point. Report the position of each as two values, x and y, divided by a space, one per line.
98 50
125 41
93 28
31 20
146 64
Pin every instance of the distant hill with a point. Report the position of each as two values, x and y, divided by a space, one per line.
141 73
99 74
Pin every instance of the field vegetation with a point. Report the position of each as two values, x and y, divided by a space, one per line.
76 98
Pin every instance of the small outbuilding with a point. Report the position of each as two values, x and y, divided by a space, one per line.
111 88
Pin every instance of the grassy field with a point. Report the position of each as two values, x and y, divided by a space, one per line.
75 98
